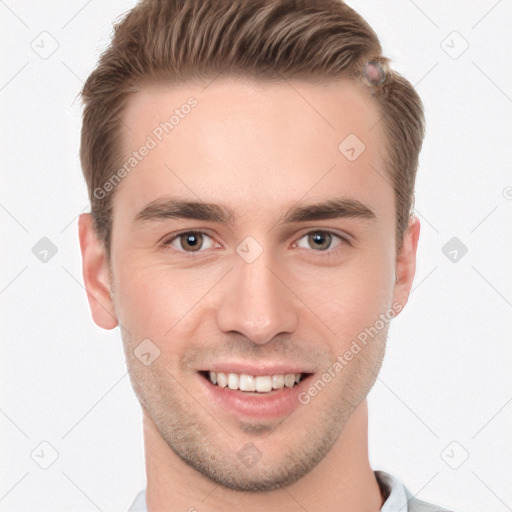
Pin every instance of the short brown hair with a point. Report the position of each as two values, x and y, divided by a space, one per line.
175 41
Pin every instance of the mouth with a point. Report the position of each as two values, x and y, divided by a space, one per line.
266 396
254 384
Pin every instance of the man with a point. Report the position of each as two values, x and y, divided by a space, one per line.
251 169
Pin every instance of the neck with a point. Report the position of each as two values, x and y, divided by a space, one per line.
342 481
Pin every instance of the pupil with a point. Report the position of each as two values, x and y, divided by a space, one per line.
321 240
193 241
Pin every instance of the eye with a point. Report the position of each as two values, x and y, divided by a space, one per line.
190 241
320 240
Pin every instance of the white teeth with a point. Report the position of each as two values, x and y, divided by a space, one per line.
263 384
233 381
222 380
289 380
278 381
260 383
247 383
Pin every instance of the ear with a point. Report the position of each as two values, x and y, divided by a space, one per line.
95 274
406 262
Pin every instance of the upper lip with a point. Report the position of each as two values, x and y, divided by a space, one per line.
250 368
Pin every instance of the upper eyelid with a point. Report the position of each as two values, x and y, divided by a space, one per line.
167 241
345 237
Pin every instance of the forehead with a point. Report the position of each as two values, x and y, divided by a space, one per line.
250 144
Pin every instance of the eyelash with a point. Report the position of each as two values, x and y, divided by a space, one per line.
324 253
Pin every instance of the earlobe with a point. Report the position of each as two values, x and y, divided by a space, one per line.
95 274
406 262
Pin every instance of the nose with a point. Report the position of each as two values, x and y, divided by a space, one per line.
257 302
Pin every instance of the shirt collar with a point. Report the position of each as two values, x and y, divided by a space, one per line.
397 499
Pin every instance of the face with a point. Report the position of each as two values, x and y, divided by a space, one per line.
246 243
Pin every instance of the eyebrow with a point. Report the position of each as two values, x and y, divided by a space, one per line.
169 208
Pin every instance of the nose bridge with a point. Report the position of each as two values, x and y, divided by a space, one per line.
255 302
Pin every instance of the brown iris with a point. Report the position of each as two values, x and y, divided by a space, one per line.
319 239
194 241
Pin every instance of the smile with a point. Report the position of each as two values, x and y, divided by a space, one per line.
252 383
254 397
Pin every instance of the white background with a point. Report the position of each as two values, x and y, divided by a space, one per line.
447 374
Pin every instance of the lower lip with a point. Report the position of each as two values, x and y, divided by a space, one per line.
274 404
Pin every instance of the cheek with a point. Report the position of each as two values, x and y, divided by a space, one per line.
355 296
142 299
153 300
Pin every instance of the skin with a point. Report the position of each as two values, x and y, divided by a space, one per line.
258 149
